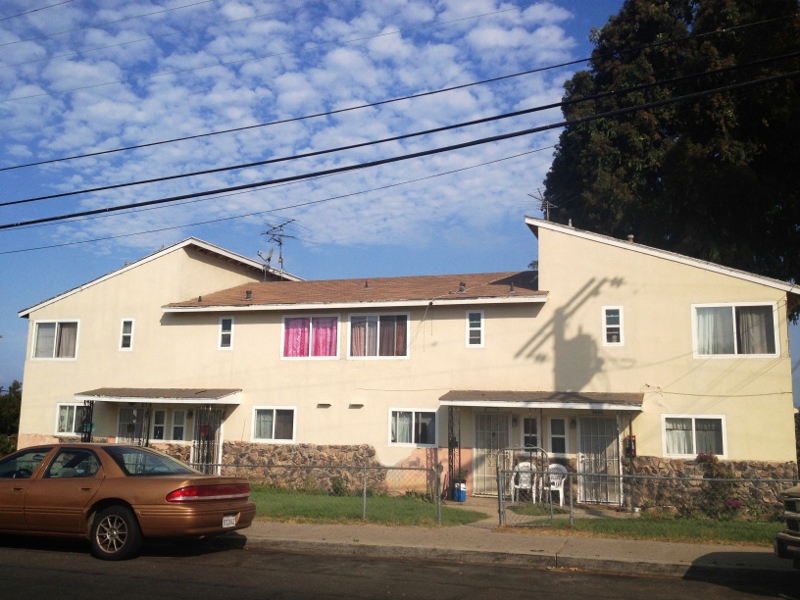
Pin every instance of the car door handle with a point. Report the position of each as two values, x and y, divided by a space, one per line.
19 489
86 489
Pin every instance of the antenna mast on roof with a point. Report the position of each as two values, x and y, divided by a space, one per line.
276 235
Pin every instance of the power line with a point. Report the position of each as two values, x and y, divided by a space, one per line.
35 10
484 120
382 102
405 157
255 214
99 25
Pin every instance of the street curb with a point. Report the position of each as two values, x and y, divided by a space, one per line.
482 557
540 561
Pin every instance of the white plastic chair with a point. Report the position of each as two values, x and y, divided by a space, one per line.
554 482
522 479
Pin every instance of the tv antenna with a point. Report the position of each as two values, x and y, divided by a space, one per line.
267 258
545 205
276 235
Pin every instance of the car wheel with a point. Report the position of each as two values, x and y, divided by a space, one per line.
115 534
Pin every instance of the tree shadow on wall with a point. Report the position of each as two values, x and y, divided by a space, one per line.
575 360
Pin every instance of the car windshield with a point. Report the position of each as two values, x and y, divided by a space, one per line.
138 462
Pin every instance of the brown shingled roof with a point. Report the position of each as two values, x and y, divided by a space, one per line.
507 285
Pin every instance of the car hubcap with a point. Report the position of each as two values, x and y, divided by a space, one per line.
112 533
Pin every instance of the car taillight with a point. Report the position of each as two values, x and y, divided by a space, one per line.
220 491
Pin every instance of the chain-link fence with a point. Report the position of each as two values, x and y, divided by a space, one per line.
372 484
721 498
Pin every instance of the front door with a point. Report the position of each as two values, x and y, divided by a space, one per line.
206 444
491 436
598 461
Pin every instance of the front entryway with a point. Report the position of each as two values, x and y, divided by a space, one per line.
491 436
206 442
598 457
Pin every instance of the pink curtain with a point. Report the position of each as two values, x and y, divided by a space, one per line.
325 338
295 337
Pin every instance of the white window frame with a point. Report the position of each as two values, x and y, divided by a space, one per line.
272 440
122 334
76 406
379 315
222 333
311 318
58 323
538 432
163 425
664 418
734 305
173 425
550 436
481 329
414 412
621 326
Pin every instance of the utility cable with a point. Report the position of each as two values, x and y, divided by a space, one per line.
35 10
379 103
405 157
99 25
263 212
484 120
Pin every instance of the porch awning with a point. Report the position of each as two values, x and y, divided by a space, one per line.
163 395
572 400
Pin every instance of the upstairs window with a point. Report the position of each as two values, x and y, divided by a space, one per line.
612 326
305 337
226 333
126 337
55 339
735 330
384 335
475 329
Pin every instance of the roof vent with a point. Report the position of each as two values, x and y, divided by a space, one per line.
630 238
366 284
462 287
199 298
248 295
511 290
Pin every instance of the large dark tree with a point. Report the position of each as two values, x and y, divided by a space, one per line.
717 178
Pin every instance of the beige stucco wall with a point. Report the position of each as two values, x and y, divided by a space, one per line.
137 293
551 346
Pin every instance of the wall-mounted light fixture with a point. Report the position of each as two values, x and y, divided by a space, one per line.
573 424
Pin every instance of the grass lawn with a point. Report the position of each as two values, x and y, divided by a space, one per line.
674 530
284 505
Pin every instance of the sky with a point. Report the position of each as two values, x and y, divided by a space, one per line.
82 77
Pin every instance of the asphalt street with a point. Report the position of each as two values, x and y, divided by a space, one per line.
40 568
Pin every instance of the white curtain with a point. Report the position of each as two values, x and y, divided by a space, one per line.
679 436
264 424
715 330
45 340
401 427
708 433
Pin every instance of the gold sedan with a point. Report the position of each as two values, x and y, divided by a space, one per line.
116 496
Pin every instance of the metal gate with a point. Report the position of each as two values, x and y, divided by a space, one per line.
491 436
523 478
206 442
599 461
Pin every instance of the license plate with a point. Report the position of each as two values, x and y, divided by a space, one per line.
229 521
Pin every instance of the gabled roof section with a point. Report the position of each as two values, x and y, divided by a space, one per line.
536 224
193 243
480 288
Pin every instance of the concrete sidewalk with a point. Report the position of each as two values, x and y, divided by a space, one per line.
483 543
